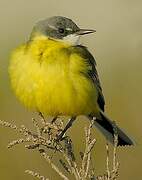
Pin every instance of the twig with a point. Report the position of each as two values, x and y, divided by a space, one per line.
18 141
64 166
47 158
35 123
45 139
87 154
107 162
35 174
7 124
72 166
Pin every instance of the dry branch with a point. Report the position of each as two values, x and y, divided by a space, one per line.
45 140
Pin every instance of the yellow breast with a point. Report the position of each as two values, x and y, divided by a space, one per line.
46 77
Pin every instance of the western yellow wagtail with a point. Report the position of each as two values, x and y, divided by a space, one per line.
55 75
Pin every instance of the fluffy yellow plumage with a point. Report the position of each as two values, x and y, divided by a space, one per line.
54 75
46 77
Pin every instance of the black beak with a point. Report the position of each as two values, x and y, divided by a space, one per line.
85 31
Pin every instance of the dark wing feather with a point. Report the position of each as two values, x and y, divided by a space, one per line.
83 51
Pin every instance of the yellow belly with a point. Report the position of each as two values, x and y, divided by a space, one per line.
47 79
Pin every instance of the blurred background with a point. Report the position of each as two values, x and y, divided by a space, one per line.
117 47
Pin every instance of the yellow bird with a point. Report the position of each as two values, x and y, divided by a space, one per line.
55 75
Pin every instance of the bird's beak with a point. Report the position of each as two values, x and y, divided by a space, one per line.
85 31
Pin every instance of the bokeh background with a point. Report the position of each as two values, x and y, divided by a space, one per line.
117 47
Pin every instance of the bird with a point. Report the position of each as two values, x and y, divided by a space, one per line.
54 74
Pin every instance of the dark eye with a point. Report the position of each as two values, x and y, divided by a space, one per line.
61 30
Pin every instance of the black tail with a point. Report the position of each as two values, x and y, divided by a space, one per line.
107 127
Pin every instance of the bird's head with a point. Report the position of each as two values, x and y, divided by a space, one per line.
61 29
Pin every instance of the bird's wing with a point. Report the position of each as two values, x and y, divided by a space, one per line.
87 56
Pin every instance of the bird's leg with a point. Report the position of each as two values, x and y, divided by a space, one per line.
68 125
54 119
42 118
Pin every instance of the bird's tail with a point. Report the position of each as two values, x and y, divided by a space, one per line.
108 127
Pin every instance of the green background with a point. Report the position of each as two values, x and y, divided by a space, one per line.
117 47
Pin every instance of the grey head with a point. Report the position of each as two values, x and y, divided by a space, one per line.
58 27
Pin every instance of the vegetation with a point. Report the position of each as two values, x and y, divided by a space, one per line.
45 141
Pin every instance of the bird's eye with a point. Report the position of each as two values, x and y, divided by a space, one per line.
61 30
